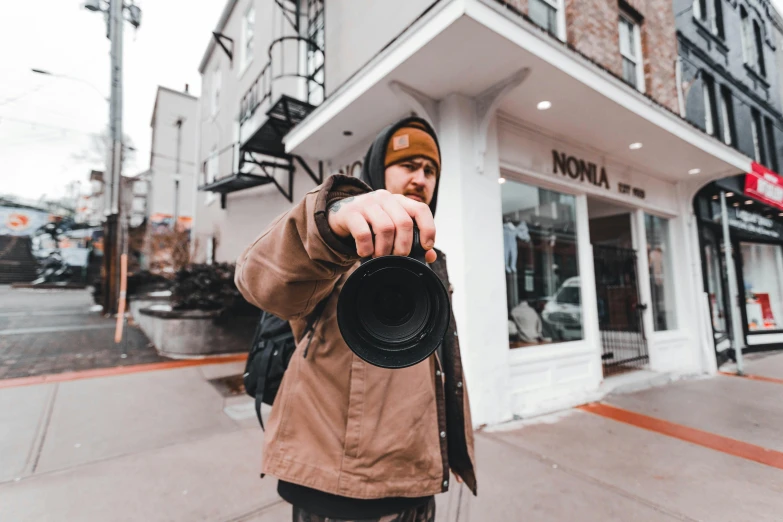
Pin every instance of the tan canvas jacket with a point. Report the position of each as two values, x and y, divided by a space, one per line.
339 424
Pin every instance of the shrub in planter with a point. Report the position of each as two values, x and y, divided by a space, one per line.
209 287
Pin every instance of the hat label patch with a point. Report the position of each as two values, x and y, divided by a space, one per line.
401 142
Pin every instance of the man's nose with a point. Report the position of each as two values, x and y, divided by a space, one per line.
419 177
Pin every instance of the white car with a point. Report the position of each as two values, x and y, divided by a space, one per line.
563 312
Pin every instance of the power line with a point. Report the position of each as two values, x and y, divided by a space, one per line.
46 125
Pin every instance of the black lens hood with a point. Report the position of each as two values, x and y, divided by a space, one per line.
420 302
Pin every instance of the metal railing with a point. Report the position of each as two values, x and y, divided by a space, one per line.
300 75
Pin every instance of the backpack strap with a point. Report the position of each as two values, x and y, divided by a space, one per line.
314 318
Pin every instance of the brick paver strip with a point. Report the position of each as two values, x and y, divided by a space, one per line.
118 370
754 377
706 439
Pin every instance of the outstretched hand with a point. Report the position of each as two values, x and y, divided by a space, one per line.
388 219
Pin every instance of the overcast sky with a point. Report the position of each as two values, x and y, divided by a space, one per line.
45 121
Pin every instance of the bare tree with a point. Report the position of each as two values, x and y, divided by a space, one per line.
98 149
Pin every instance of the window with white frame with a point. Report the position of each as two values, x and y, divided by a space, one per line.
700 9
217 81
248 33
727 113
748 50
631 52
212 171
758 40
758 138
546 14
711 124
716 19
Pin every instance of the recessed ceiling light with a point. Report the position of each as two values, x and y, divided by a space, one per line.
749 202
544 105
501 180
715 196
635 146
781 214
347 133
693 172
729 194
736 204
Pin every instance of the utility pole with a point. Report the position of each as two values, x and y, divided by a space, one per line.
176 177
114 235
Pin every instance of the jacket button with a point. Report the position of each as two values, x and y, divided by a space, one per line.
459 385
455 333
437 373
445 483
442 434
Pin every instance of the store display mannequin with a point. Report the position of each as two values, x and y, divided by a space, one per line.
511 233
528 323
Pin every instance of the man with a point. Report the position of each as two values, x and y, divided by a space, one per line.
346 439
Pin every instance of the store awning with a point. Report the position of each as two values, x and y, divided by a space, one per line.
468 46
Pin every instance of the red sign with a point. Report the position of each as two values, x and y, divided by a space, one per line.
764 185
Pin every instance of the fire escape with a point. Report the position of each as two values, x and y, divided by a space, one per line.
289 87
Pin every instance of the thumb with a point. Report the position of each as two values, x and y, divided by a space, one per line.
430 256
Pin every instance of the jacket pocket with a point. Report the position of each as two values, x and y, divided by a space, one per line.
356 400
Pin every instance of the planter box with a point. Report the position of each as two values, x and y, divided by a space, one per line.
191 334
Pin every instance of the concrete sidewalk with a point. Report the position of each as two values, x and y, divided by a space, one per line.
167 445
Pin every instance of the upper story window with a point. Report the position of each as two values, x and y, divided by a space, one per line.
631 52
759 148
547 14
217 80
710 12
752 42
711 125
248 32
772 152
758 40
727 113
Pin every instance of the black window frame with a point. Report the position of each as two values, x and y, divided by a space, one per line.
760 145
769 130
729 123
712 106
758 42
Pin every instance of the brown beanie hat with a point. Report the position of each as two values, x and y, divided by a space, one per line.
412 142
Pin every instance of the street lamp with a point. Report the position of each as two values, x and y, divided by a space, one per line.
74 78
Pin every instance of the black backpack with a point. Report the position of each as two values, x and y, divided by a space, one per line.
271 351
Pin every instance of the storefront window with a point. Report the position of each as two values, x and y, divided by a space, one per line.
540 259
762 270
661 273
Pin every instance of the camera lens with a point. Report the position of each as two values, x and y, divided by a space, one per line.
393 311
393 305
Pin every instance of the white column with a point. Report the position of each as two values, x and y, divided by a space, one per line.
643 270
468 221
589 294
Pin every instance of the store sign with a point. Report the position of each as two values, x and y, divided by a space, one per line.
754 223
764 185
352 169
579 169
21 222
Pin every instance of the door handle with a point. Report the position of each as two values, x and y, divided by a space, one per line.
640 306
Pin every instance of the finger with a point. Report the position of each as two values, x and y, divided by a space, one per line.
403 227
383 229
430 256
459 479
422 214
358 227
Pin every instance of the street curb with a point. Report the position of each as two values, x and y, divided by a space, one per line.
118 370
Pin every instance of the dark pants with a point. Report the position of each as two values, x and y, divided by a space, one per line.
425 513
